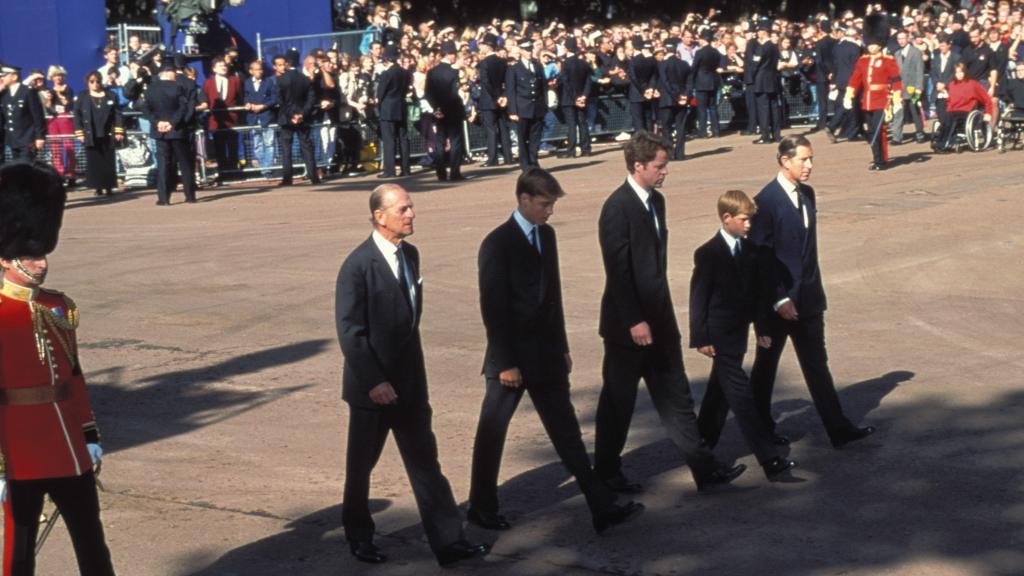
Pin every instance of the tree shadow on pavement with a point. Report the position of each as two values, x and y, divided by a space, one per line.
181 401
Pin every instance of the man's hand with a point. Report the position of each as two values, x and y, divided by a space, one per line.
641 334
513 117
81 139
581 102
296 118
39 143
708 350
568 363
940 86
163 126
764 341
511 378
117 137
848 103
439 114
383 394
788 311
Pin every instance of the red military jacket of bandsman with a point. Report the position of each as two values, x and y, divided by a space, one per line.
45 417
875 78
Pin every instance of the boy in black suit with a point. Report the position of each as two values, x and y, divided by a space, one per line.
725 296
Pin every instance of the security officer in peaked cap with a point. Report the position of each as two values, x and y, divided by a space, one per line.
22 123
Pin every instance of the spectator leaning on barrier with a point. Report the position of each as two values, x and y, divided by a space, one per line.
223 90
260 103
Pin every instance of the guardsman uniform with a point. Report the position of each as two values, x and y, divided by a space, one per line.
876 78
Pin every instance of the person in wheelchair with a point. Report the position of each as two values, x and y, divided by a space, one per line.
1012 92
963 96
1010 130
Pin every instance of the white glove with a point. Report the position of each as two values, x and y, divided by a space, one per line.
95 452
848 103
3 489
896 107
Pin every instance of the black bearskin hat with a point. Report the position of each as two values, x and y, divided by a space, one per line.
32 200
876 29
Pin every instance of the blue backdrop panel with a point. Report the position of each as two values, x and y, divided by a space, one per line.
273 18
38 33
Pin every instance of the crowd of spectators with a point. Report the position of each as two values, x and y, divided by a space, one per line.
934 36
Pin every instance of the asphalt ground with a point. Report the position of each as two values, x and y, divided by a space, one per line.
208 338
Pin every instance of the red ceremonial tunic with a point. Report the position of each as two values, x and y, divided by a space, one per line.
45 418
875 79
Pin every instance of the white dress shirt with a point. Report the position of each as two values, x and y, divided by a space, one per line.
644 196
390 253
528 228
790 189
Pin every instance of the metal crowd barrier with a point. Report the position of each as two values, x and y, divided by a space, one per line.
347 42
152 35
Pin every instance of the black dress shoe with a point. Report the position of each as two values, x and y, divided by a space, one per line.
161 203
723 475
851 435
191 201
920 138
617 514
385 175
489 164
586 153
284 183
461 550
763 141
780 440
487 520
776 466
876 167
620 484
367 552
566 155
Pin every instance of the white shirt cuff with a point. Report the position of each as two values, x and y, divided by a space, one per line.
779 304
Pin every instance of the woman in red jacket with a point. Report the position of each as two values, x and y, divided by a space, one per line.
964 95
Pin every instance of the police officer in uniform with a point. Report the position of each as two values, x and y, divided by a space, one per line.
706 79
442 93
527 104
673 78
49 443
493 104
392 87
573 91
168 107
21 116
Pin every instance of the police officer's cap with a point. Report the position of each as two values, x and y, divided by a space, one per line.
707 34
391 52
9 69
570 44
826 26
671 44
765 25
448 47
167 66
638 43
490 40
525 44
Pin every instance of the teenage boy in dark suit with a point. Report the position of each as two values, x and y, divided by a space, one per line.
725 297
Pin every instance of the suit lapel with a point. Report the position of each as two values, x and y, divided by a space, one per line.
387 278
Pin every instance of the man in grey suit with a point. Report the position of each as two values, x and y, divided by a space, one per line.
911 64
379 302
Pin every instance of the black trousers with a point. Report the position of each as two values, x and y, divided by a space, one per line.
878 137
225 149
769 115
496 124
948 127
390 132
171 153
451 132
750 99
367 431
577 117
808 336
728 387
554 406
21 153
844 121
305 148
661 367
674 117
642 115
822 95
79 507
706 104
529 132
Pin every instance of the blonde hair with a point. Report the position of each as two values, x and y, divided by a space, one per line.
734 203
56 70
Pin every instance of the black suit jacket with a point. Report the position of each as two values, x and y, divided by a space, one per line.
526 88
166 101
705 75
790 249
392 87
766 68
726 295
845 56
21 117
442 92
939 74
635 265
643 74
379 335
295 95
521 305
573 81
490 77
673 77
749 65
100 121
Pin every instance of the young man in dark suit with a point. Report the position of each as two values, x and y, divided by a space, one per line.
379 302
527 349
725 295
392 87
295 100
638 324
706 80
785 228
442 92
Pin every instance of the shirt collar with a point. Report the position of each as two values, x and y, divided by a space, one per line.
643 193
788 186
525 225
729 239
386 247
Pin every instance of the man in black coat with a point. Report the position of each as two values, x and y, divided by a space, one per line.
943 61
643 85
295 100
638 324
785 229
392 87
168 108
673 100
492 105
845 55
749 69
22 122
573 92
726 292
766 85
527 102
527 349
442 93
706 81
378 305
824 61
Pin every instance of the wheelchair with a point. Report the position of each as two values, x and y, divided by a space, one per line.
1010 129
972 132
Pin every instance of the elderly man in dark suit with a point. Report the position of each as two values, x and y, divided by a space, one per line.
392 87
442 93
168 108
673 98
527 102
22 122
911 64
573 92
379 302
493 104
527 349
638 324
785 230
295 101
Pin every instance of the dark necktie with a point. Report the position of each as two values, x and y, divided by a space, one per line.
654 215
405 280
737 248
535 239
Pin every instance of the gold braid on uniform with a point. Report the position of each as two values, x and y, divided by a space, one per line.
61 328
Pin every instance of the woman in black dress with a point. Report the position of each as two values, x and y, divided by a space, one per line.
98 124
